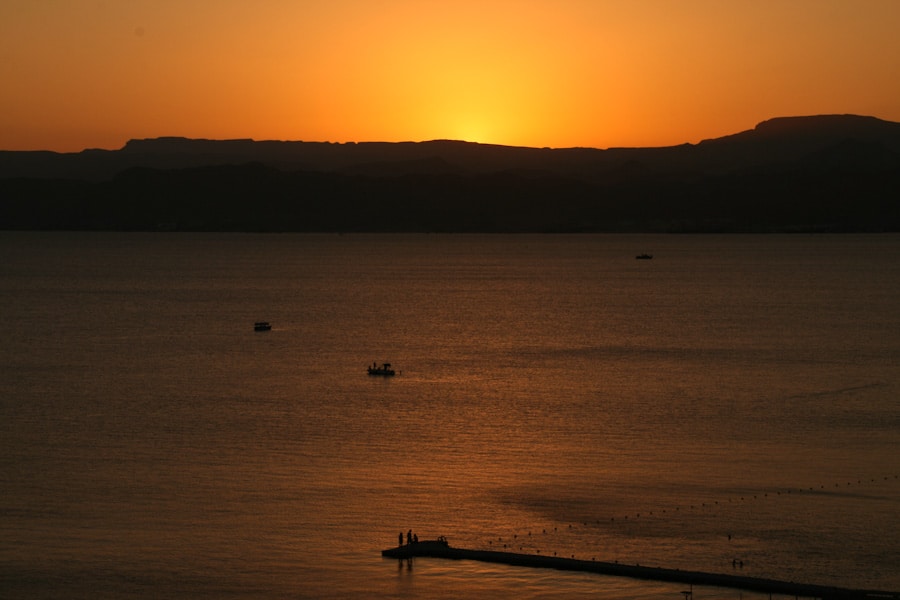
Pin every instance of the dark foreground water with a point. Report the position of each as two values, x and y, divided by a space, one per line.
732 399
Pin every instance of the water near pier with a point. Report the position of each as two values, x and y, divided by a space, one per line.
729 406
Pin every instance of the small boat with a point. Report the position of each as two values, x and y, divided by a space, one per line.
384 370
644 256
262 326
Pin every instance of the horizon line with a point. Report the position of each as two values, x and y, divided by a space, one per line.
426 141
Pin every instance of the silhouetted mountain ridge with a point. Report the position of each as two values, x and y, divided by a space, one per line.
820 173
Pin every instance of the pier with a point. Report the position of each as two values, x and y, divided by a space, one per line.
441 549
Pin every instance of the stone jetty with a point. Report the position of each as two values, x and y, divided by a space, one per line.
441 549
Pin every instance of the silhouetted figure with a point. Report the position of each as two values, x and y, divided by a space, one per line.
415 538
409 537
400 542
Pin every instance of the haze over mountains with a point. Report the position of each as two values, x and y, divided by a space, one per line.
820 173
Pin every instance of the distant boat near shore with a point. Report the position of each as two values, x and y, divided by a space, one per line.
644 256
262 326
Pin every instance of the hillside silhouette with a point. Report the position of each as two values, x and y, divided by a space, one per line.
819 173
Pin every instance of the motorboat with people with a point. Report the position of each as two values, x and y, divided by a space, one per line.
384 370
262 326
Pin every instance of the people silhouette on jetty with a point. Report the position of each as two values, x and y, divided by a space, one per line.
411 538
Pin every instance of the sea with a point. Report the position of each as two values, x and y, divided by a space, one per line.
731 405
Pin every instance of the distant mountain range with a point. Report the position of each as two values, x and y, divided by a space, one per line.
818 173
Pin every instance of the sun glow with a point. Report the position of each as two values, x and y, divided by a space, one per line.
526 72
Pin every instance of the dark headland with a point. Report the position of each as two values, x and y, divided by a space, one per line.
441 549
828 173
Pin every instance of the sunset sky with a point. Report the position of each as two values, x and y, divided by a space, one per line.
94 73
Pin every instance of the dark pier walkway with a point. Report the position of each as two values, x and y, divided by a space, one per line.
440 549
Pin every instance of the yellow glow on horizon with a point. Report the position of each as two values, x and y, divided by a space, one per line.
538 73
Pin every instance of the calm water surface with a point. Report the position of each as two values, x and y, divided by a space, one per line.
736 397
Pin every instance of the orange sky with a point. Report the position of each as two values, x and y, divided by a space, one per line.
94 73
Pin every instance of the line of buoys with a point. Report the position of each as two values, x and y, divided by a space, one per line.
745 498
657 513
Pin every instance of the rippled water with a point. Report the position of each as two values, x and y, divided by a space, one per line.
736 397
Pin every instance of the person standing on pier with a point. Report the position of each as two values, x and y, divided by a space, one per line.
400 542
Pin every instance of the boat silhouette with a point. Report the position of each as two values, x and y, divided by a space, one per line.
384 370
